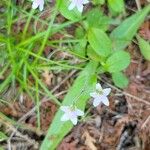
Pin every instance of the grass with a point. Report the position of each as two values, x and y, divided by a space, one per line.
24 51
24 37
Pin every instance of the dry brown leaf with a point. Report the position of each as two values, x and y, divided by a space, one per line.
145 30
89 141
47 77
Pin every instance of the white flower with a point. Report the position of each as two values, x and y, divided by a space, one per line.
71 113
78 4
100 95
38 3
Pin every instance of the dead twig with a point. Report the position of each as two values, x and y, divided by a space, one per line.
145 122
138 3
25 137
34 108
63 81
125 93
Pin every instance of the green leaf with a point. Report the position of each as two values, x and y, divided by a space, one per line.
144 47
97 21
2 136
116 6
93 55
80 48
123 34
79 33
118 61
120 79
69 14
58 129
96 2
99 41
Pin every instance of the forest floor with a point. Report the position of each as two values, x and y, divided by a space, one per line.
125 125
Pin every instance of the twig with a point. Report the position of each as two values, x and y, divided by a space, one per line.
125 93
146 121
138 3
26 137
138 74
46 99
34 108
63 81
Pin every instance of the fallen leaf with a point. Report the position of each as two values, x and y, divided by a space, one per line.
47 77
145 30
89 141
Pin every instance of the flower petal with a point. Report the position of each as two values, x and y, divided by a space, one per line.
96 102
106 91
80 7
72 5
74 120
93 94
85 1
35 5
98 87
64 108
105 100
79 112
41 7
64 117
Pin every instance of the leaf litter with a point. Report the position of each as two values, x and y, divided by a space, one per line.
123 126
127 124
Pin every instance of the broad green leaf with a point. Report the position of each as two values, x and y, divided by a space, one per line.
100 42
116 6
118 61
93 55
69 14
123 34
80 48
79 33
86 80
120 79
96 19
2 136
144 47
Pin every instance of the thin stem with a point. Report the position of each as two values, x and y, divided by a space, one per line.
27 24
38 105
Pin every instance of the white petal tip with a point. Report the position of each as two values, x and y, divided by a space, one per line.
107 91
74 121
71 6
98 86
105 101
107 104
96 103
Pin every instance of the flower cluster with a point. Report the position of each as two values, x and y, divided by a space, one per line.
99 95
74 3
71 112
